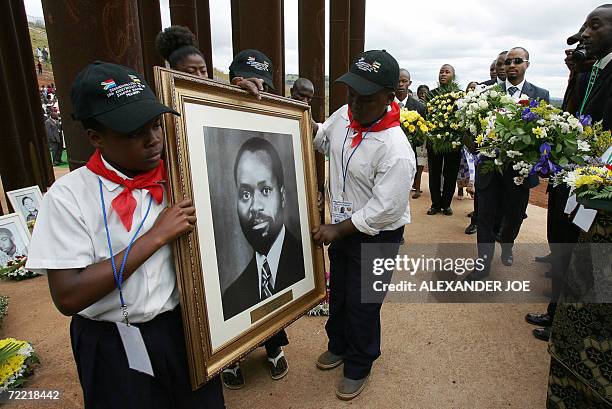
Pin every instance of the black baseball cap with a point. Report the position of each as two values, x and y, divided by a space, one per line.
116 96
371 72
252 63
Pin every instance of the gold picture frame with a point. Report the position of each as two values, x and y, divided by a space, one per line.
210 109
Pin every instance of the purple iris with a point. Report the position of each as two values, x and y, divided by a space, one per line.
586 120
534 103
528 116
545 166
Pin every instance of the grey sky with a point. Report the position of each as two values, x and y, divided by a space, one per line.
424 35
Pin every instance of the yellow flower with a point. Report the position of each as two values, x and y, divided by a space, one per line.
411 128
479 139
589 180
423 128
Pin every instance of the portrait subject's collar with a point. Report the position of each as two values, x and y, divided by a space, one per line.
273 257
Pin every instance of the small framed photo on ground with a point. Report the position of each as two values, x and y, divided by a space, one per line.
250 267
26 201
14 238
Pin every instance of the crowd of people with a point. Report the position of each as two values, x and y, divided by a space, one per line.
373 171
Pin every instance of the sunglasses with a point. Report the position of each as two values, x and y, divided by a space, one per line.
517 61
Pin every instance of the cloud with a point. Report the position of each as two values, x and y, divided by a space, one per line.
423 35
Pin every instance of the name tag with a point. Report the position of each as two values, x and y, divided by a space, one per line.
341 210
135 348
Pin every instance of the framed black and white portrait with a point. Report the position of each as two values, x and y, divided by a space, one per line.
250 268
14 238
26 201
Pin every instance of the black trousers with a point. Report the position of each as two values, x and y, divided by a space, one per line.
109 383
499 194
56 151
447 165
276 341
353 327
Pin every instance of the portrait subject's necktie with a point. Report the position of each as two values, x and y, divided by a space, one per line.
512 90
266 281
401 104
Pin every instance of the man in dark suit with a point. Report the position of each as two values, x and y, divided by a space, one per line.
500 70
278 260
405 100
498 192
596 36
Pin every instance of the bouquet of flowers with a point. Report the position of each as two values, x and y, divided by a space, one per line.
594 135
15 270
17 359
476 106
444 134
590 182
414 126
532 137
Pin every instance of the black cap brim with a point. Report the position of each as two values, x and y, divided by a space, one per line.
360 84
251 74
129 118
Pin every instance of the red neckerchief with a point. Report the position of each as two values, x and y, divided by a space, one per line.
125 204
389 120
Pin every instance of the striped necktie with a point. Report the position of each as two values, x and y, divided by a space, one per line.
512 90
267 284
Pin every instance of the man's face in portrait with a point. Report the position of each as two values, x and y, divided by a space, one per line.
28 203
260 200
6 243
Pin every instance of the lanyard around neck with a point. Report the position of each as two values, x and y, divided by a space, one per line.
345 168
592 79
119 275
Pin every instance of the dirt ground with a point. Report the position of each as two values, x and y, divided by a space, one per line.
437 356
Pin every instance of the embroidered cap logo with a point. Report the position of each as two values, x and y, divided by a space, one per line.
108 84
260 66
134 78
363 65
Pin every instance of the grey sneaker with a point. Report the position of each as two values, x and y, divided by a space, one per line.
350 388
327 360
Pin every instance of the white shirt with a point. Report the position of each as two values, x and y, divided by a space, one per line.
500 82
402 103
273 258
379 177
70 234
517 94
604 61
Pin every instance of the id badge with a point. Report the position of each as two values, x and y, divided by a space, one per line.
341 210
135 348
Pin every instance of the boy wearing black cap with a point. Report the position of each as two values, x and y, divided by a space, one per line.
126 330
252 71
372 167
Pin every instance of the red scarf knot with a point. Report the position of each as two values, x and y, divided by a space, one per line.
125 204
389 120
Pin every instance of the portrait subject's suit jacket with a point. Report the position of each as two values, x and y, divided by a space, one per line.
244 292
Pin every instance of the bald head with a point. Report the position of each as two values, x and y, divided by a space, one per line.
597 35
302 90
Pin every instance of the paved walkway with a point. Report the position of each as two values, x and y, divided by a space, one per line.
437 356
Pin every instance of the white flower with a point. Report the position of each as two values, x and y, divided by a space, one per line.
493 93
518 180
483 104
513 154
512 140
473 129
498 162
541 122
583 146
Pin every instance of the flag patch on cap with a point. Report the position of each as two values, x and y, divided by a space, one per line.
134 78
108 84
